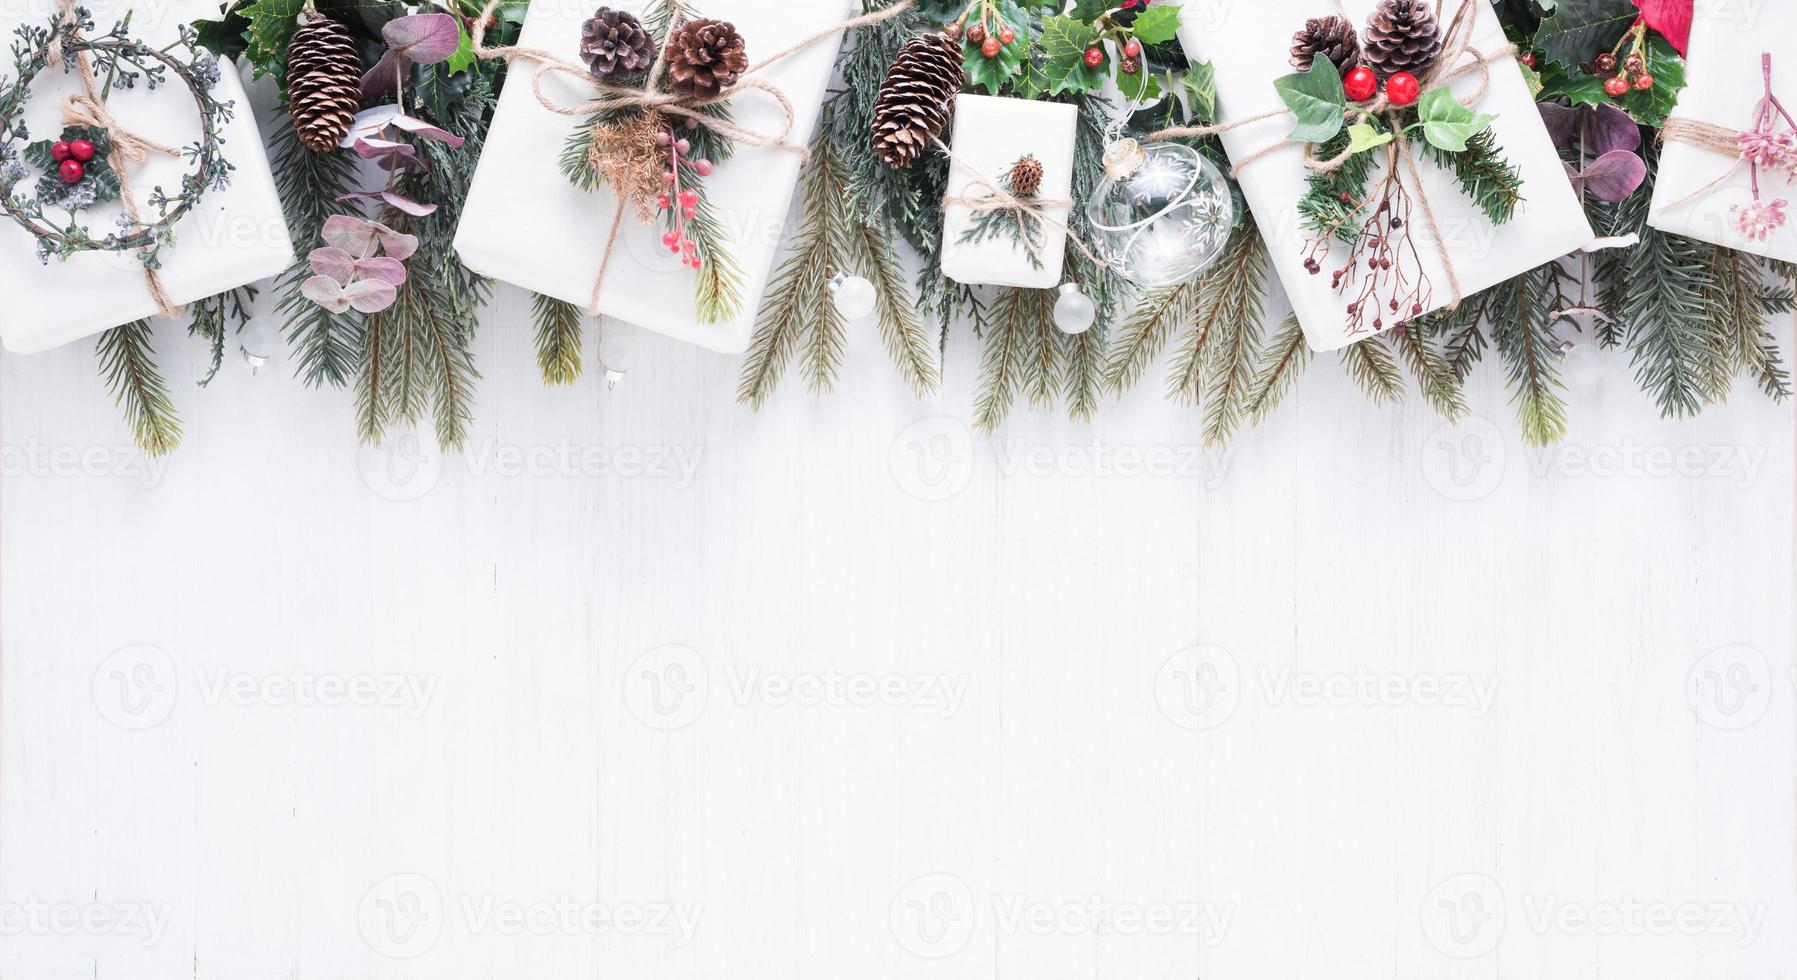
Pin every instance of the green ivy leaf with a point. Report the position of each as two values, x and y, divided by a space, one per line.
1363 137
1157 24
1064 41
463 58
1446 123
1317 99
1579 29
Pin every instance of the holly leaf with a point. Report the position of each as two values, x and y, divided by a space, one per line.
1579 29
1140 87
1575 86
1031 80
1064 42
1672 18
992 73
272 23
1316 99
463 58
1650 108
1363 137
1446 123
38 154
1089 10
1157 24
104 179
1199 86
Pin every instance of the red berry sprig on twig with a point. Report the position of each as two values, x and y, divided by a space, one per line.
680 201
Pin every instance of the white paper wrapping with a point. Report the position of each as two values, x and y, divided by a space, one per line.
1249 45
525 224
1725 84
233 237
990 135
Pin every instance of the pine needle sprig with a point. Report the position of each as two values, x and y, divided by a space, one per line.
1141 338
1745 300
1043 370
558 333
1435 377
1372 367
1489 180
309 184
1522 319
901 328
213 315
1230 295
128 363
1006 356
1285 357
1335 201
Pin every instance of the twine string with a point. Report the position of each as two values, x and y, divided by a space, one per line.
89 109
1716 139
996 198
650 98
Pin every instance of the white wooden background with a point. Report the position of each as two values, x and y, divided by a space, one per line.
858 693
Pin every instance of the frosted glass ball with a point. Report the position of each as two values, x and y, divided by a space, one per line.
1073 310
1582 363
1162 214
853 295
259 339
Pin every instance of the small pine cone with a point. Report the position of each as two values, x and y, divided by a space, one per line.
323 83
1026 177
1402 35
1333 38
916 98
705 56
614 44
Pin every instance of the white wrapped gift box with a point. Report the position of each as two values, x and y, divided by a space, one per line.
525 224
990 135
233 237
1725 84
1249 44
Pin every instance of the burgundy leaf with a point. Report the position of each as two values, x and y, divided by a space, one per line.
372 148
368 124
382 79
1672 18
396 245
406 204
419 127
423 39
1613 176
1608 128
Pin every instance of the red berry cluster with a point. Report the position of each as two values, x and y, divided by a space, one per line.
72 158
1633 76
990 42
1401 89
1117 27
682 203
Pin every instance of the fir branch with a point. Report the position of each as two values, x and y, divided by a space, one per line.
901 329
1285 356
1003 364
1482 173
798 305
309 185
1374 370
1658 290
1435 377
1522 329
1230 295
1140 338
558 338
1335 201
1083 374
718 283
1043 369
210 317
128 363
1232 367
1743 302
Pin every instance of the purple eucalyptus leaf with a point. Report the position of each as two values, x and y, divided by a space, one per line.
396 245
351 234
374 148
1561 122
385 269
370 295
406 204
1609 128
1613 176
423 39
382 79
333 262
368 124
419 127
324 291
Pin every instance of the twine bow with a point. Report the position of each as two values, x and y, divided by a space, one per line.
1722 139
1456 45
650 98
89 109
1026 209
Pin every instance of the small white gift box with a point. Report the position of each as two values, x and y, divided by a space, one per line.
990 136
1248 44
1725 83
233 237
525 224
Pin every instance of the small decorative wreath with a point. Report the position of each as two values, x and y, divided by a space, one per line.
76 170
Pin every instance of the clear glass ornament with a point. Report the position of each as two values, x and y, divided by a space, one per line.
1073 310
1581 363
618 348
1162 214
259 339
853 295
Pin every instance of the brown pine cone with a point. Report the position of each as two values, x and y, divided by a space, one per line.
916 97
323 83
1333 38
614 44
1026 177
705 56
1402 35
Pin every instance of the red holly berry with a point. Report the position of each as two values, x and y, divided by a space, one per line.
1616 86
81 150
1129 66
1643 81
1527 58
1634 64
990 48
1094 57
1132 47
61 151
1006 36
1605 62
1403 89
1361 84
71 171
976 33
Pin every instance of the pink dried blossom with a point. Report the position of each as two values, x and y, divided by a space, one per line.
1760 219
1774 151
